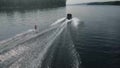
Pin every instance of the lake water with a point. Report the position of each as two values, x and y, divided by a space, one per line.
13 22
97 40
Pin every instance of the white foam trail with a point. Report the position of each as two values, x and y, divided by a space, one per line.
24 45
54 36
76 61
60 21
18 36
13 53
74 21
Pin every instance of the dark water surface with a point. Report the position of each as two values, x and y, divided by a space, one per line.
98 40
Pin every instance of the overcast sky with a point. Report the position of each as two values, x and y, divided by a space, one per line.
84 1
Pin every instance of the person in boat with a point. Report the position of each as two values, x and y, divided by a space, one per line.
69 16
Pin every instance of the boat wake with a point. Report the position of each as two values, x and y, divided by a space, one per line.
51 48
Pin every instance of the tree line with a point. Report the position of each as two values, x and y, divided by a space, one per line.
30 3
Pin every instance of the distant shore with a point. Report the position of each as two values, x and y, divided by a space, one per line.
21 4
100 3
